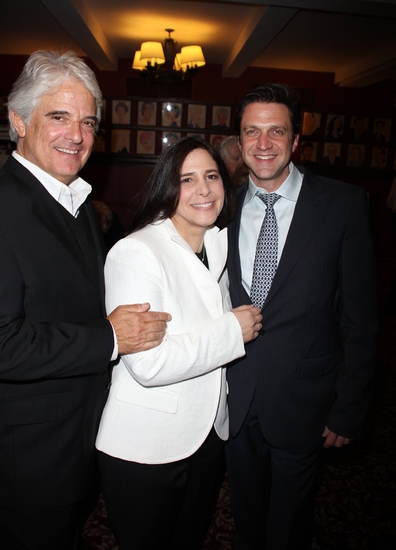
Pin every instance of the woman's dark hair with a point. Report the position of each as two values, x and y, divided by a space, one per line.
160 197
272 93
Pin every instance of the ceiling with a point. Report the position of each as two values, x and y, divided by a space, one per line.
354 39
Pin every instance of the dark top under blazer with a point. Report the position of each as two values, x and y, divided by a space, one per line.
55 347
313 363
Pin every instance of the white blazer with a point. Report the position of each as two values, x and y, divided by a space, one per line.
163 402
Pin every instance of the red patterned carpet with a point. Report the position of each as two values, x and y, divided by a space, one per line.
356 501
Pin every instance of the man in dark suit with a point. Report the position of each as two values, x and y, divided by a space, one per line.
55 341
305 382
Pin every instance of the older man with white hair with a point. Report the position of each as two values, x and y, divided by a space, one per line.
56 343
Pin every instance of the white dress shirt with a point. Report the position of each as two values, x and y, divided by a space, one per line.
70 196
253 212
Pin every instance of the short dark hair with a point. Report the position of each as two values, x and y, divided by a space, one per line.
161 195
272 93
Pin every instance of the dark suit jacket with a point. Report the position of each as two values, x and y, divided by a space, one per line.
55 347
313 363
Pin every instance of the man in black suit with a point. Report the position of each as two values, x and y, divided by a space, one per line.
55 342
305 382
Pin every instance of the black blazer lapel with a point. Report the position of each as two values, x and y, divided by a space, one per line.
46 210
307 214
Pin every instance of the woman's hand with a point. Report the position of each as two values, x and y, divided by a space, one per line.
249 317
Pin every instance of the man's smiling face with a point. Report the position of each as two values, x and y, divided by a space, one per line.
267 143
60 134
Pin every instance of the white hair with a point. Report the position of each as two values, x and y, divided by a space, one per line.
44 73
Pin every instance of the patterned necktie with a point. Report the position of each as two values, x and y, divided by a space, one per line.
266 259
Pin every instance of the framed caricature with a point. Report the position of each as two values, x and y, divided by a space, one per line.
147 113
308 152
221 116
169 138
311 124
171 114
145 143
358 128
216 139
379 157
331 154
355 158
196 116
334 126
381 130
99 145
121 111
120 141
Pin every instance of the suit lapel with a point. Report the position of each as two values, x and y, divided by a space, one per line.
307 214
46 211
234 259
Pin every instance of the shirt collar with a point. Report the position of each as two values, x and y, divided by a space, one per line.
79 189
289 189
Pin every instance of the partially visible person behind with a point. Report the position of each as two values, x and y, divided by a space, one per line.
109 222
55 341
163 428
240 176
230 153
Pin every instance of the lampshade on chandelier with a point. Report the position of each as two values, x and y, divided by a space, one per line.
155 65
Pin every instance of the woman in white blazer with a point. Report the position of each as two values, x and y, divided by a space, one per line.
163 428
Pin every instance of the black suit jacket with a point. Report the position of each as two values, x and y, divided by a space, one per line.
313 363
55 347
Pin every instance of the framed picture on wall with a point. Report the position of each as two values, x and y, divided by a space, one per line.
99 145
358 128
147 113
308 151
382 129
215 139
120 141
355 158
334 126
169 138
196 116
311 124
221 117
145 143
379 157
331 154
121 111
171 114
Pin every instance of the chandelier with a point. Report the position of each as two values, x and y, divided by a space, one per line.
169 67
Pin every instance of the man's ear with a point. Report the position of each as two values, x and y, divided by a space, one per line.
18 123
295 142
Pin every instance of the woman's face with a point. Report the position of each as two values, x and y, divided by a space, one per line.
201 194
